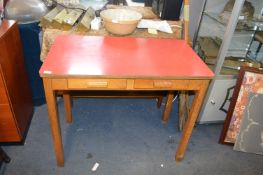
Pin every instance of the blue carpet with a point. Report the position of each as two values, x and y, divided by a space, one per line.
126 137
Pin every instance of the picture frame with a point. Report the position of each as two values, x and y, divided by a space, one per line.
250 80
250 137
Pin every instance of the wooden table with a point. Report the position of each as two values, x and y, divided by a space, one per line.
77 63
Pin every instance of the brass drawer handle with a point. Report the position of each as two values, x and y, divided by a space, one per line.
97 84
162 84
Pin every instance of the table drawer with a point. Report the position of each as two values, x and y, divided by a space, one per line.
97 83
152 84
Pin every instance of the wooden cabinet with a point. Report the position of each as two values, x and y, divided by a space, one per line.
15 97
224 40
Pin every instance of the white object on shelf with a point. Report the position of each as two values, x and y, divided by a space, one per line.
162 26
95 23
95 4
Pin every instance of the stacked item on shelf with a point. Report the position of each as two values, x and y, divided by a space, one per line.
208 51
65 19
209 47
245 17
72 15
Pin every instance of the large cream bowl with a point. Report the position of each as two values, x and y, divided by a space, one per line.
120 21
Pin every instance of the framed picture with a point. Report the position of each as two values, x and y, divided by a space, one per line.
250 137
250 80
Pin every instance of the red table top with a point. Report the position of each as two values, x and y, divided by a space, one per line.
95 56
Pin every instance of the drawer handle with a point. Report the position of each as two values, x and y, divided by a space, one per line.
97 84
163 84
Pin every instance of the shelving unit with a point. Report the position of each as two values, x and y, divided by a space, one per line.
226 44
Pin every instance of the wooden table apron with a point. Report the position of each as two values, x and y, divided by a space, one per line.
70 65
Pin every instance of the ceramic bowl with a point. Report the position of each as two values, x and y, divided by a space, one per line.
120 21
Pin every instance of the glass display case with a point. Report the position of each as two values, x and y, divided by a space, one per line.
228 37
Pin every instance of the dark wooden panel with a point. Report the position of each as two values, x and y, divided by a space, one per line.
8 129
14 75
3 96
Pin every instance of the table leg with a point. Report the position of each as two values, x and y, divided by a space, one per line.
190 122
67 106
168 106
182 103
54 120
159 101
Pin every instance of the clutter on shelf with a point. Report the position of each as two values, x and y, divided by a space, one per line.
209 49
246 16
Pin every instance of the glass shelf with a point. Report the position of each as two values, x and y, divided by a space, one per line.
248 25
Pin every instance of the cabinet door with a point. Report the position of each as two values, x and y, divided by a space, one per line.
224 42
216 106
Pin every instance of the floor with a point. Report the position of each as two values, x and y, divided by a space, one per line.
126 137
